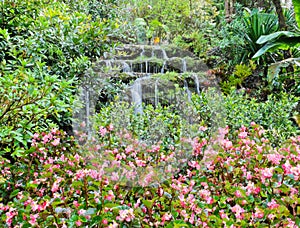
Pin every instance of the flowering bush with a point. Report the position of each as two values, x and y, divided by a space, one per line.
246 182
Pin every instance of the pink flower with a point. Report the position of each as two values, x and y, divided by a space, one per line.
296 171
140 163
287 167
55 142
238 194
267 172
102 131
78 223
126 215
110 196
110 127
166 217
76 204
273 204
33 218
227 144
115 176
210 200
274 158
81 212
194 164
223 131
113 225
104 222
160 191
55 185
129 149
36 136
243 135
45 139
291 224
202 128
43 206
10 215
238 210
259 213
192 218
222 214
294 191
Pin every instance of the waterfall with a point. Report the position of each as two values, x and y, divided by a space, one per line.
146 66
163 67
188 92
147 60
143 51
197 84
137 95
184 68
126 67
164 54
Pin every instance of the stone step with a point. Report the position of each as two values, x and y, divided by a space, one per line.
130 52
151 65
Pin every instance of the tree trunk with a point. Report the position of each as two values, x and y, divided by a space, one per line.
229 9
227 5
282 24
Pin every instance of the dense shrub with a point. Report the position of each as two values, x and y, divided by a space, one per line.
45 47
274 114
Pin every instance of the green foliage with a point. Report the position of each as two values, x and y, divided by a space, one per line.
198 41
241 72
44 48
275 43
281 40
274 114
238 39
54 34
29 95
164 19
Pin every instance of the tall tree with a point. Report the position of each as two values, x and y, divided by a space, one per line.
229 9
279 12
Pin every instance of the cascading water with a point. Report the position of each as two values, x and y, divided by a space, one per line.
187 90
197 84
184 68
149 60
137 95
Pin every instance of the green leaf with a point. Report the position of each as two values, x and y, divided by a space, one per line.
281 44
14 193
274 36
296 4
297 221
148 203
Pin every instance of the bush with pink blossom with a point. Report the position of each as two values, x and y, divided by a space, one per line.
245 183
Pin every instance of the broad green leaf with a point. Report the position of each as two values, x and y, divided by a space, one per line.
296 4
280 44
276 35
